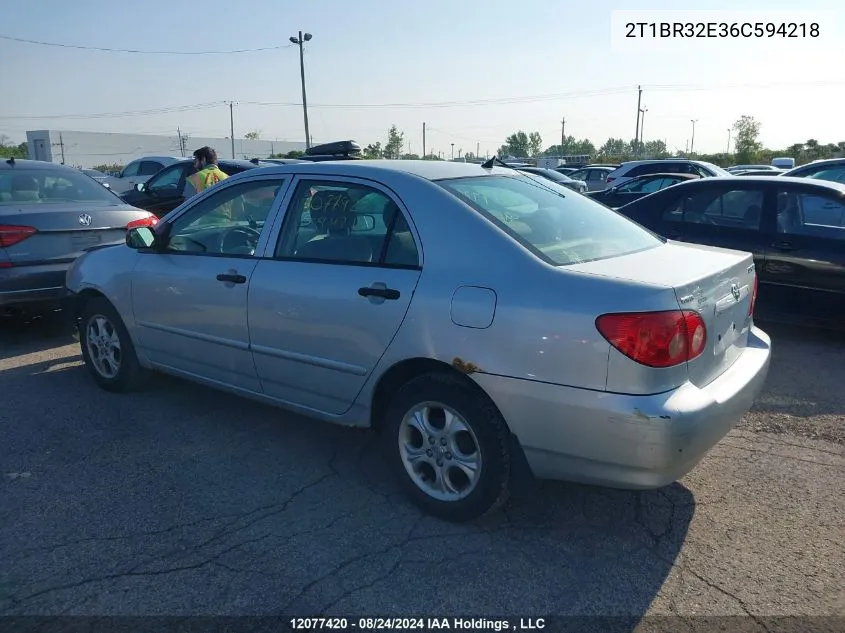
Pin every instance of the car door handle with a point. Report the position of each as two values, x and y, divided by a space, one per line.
232 279
384 293
784 245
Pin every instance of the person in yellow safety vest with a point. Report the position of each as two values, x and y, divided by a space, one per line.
208 173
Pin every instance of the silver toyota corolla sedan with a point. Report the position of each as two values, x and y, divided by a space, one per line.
486 323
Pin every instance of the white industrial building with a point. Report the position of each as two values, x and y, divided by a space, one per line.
88 149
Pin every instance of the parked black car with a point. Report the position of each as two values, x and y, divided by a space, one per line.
637 188
795 227
166 190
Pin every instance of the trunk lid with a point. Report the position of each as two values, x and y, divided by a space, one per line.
715 282
65 231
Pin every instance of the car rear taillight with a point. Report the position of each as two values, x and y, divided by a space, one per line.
11 235
610 179
753 297
655 339
149 221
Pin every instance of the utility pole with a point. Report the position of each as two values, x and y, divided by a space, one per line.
692 142
562 133
232 127
477 148
300 41
642 137
62 144
639 103
423 154
728 151
453 151
181 143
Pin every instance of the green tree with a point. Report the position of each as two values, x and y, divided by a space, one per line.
747 133
373 150
395 141
253 136
655 149
517 145
11 150
410 156
535 144
432 157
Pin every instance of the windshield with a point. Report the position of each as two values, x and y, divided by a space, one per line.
550 220
44 186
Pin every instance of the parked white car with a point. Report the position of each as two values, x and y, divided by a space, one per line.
140 170
631 169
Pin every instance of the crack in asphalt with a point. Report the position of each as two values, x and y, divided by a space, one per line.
351 561
17 601
770 454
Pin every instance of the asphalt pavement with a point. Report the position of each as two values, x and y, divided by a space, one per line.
180 500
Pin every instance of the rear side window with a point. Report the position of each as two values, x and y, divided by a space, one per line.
654 168
149 167
737 209
550 220
811 215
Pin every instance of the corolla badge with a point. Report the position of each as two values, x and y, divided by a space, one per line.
735 291
84 219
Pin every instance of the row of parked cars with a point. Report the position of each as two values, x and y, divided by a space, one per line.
489 324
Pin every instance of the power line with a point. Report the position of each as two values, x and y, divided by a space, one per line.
142 52
127 113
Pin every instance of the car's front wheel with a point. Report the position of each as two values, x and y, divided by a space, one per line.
449 446
107 349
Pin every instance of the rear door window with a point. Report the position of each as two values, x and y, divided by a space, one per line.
811 215
737 209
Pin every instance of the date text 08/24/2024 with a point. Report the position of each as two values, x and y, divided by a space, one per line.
417 624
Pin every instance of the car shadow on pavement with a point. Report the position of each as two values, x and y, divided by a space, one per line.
34 333
181 495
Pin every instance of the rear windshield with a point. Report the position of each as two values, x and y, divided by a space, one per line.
44 186
553 222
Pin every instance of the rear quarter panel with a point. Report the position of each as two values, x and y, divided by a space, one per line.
544 323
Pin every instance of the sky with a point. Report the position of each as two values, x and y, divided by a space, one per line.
473 70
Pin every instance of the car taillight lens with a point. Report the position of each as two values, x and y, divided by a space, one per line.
149 221
610 179
753 297
655 339
11 235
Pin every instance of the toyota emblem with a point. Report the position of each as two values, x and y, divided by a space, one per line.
84 219
735 291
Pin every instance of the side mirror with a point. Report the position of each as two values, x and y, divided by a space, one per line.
140 237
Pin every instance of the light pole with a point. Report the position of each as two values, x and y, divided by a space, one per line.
453 151
299 41
729 141
692 141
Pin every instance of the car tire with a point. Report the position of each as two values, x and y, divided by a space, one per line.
107 349
433 463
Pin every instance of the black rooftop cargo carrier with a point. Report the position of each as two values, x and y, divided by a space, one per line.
339 149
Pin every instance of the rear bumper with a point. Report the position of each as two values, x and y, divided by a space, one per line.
623 441
23 285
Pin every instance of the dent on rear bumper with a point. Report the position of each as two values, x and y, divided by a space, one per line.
627 441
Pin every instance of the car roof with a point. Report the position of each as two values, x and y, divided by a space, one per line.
22 163
820 163
769 181
158 157
427 169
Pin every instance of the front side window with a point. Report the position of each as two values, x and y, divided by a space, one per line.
168 181
226 223
551 221
641 185
131 170
44 186
836 174
580 174
343 222
811 215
